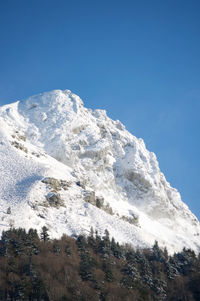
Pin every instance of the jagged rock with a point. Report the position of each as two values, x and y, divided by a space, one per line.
19 137
108 209
8 210
81 184
22 137
99 202
35 154
19 146
138 181
54 183
64 184
89 196
134 220
54 199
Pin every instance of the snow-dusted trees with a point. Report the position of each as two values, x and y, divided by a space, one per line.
92 268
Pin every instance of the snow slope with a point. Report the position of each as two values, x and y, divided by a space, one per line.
107 177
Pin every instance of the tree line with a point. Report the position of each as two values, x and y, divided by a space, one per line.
34 267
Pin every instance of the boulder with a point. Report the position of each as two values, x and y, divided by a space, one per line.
89 196
54 199
54 183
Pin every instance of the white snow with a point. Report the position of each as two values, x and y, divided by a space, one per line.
66 141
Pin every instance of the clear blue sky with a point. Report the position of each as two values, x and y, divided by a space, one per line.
139 60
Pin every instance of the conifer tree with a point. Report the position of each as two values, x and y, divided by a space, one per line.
44 234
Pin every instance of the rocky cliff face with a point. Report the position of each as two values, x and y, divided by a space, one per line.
106 178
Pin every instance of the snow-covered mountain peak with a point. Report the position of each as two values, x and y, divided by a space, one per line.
115 182
56 99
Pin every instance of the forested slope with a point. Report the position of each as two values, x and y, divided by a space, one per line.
35 268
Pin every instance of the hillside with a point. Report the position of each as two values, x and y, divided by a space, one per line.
70 168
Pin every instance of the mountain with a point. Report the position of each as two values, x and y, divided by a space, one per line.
71 168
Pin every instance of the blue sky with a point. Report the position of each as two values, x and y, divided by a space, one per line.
139 60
